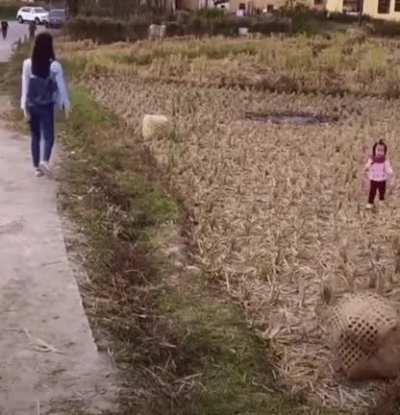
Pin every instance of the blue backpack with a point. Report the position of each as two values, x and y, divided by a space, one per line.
41 91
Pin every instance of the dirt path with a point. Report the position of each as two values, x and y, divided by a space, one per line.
48 355
15 31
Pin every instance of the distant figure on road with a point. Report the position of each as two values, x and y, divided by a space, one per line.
32 30
4 28
43 87
241 11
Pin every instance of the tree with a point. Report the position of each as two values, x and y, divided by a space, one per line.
72 7
360 11
117 8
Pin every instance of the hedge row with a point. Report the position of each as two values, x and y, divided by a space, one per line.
385 28
213 22
105 30
8 10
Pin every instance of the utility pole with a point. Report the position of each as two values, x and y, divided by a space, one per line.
360 11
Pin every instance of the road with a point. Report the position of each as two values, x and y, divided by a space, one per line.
48 354
16 31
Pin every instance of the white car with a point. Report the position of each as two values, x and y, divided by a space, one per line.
221 4
39 15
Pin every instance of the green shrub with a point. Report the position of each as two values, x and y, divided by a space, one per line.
108 30
301 11
386 28
304 19
229 25
120 9
223 26
174 29
210 14
8 10
196 26
345 18
266 27
138 26
102 30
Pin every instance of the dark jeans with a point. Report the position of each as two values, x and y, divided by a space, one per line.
42 125
374 186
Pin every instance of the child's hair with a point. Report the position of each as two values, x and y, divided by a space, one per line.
379 143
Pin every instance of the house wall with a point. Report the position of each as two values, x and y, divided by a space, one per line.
335 6
370 8
234 4
263 4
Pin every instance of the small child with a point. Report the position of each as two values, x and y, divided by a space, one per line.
379 171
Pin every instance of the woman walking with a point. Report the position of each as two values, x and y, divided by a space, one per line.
32 30
4 28
43 87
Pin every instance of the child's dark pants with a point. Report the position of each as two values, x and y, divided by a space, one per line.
374 186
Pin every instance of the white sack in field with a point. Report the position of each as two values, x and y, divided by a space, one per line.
157 31
155 126
243 31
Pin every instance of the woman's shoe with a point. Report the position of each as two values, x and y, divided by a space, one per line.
44 168
38 172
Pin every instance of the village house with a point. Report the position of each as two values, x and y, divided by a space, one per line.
267 5
250 6
378 9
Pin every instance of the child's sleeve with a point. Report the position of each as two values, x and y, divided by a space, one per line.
368 165
388 168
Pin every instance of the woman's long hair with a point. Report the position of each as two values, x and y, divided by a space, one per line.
42 55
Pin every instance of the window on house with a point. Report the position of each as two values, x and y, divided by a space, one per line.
351 6
383 6
270 8
397 5
318 2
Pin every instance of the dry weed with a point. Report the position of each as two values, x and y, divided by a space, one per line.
293 64
277 209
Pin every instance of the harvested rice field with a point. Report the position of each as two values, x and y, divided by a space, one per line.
278 209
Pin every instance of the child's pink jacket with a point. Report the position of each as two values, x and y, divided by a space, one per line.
379 172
